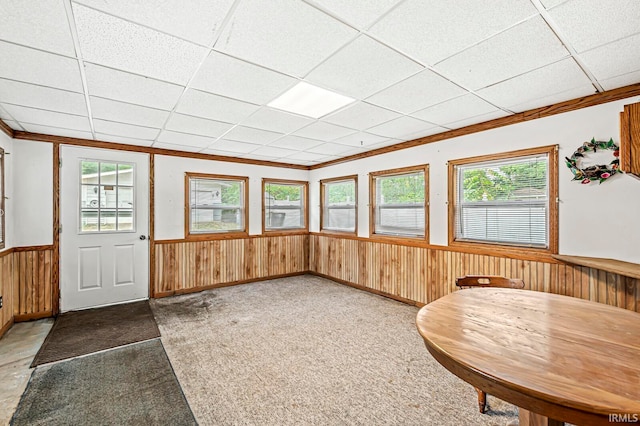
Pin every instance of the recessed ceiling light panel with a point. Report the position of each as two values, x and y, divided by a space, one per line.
309 100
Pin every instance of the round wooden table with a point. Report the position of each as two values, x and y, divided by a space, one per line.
558 358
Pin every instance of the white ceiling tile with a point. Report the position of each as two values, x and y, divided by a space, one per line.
121 139
250 135
361 115
110 41
13 124
38 23
401 127
614 59
522 48
135 89
416 92
56 131
35 66
227 76
233 146
217 152
277 121
363 68
546 81
324 131
383 144
360 139
177 138
284 35
271 151
590 23
15 92
621 80
455 109
126 130
48 118
206 105
548 4
357 13
296 143
127 113
477 119
4 115
161 145
308 156
544 101
197 20
424 133
197 126
432 30
330 149
289 160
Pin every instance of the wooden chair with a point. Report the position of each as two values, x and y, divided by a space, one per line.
487 281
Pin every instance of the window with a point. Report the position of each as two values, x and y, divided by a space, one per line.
2 242
106 196
285 205
507 199
399 202
216 204
339 201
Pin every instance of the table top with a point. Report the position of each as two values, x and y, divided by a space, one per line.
562 357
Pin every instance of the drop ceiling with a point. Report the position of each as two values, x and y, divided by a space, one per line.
198 76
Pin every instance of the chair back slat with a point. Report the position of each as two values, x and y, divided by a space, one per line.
489 281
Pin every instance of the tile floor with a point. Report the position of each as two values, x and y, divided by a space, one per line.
17 349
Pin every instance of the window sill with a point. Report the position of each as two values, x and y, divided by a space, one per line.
489 248
339 233
216 236
278 232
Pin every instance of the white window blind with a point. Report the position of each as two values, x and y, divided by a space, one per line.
504 202
400 204
216 205
284 206
339 206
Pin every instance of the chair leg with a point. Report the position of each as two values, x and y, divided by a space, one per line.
482 400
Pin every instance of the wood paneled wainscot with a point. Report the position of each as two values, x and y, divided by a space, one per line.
26 284
187 266
421 274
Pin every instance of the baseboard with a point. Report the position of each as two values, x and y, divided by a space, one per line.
369 290
6 327
162 294
33 316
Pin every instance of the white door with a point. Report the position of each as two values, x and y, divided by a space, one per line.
104 213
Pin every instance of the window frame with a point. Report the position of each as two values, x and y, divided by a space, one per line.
305 207
2 200
323 182
199 236
478 246
373 201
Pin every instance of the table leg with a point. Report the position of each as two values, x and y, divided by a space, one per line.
529 418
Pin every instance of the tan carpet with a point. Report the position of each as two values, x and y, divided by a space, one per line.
305 350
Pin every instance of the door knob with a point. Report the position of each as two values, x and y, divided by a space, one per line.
142 237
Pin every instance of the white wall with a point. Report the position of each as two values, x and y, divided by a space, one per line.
169 190
6 143
595 220
33 193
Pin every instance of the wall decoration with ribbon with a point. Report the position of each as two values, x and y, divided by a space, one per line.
599 172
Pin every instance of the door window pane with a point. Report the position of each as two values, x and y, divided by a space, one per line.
106 196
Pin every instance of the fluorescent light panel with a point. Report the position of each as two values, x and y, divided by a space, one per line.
309 100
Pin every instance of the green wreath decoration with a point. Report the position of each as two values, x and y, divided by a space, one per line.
600 172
